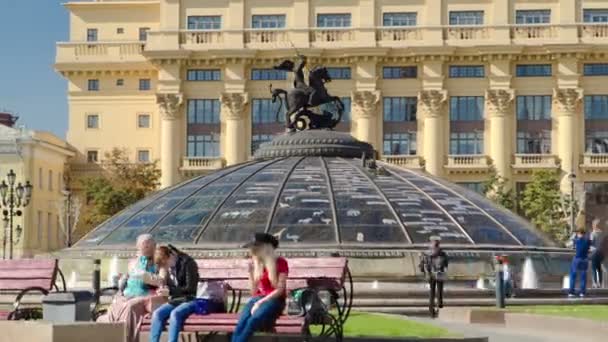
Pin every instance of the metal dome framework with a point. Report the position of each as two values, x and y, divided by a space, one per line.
323 202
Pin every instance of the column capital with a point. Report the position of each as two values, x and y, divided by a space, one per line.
365 102
566 100
233 105
431 102
170 105
498 101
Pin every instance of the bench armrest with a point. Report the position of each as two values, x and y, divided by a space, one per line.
17 302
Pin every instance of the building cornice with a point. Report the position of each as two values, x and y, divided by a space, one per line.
97 4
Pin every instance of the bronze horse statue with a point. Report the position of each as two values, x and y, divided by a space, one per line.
303 97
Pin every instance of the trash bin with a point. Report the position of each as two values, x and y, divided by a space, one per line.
67 306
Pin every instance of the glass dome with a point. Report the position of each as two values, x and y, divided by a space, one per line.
322 201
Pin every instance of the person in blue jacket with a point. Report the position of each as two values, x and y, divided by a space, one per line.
580 263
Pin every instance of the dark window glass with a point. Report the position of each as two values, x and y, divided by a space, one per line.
92 156
341 73
268 21
475 186
400 72
143 33
144 84
346 117
533 70
532 16
466 108
596 107
534 142
466 143
204 75
595 15
535 107
263 111
333 20
93 85
597 69
457 71
203 145
400 143
120 82
91 35
203 111
205 22
399 109
143 121
143 156
268 75
399 19
466 17
93 121
596 142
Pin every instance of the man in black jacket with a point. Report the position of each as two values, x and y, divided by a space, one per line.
181 289
434 264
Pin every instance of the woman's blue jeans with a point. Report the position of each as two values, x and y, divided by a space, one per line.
265 316
176 316
578 267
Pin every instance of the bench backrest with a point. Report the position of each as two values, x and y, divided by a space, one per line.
326 273
17 275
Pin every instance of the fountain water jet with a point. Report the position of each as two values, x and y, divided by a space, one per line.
529 279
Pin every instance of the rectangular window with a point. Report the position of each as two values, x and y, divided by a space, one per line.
331 107
259 139
92 156
203 145
462 143
399 72
268 75
120 82
534 107
463 71
50 180
534 142
596 107
120 30
399 19
595 15
399 109
466 108
205 22
143 33
93 85
474 186
143 121
92 121
204 75
596 142
400 144
40 179
533 70
203 111
596 69
92 35
466 17
143 156
342 73
263 111
144 84
333 20
532 16
268 21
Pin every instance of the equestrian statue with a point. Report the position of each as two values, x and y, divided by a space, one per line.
303 97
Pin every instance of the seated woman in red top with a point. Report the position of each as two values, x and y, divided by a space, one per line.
268 277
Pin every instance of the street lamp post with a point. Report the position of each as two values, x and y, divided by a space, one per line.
572 178
13 198
67 193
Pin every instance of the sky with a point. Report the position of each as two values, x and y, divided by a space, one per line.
29 86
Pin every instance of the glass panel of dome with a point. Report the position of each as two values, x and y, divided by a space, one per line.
231 235
164 204
135 226
185 234
304 217
478 225
381 234
200 203
291 235
182 218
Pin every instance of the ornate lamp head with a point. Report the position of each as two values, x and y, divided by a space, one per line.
11 177
3 190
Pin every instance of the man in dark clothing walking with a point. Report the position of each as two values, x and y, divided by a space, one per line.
434 264
181 289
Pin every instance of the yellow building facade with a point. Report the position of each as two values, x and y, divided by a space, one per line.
458 88
40 158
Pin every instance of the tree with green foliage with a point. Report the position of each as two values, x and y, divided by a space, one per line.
496 188
121 184
543 203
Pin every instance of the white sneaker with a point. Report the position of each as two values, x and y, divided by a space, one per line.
582 295
570 295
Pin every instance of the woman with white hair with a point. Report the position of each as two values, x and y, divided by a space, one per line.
131 304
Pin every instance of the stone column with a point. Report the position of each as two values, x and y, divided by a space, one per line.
364 112
565 110
170 112
498 114
431 107
233 108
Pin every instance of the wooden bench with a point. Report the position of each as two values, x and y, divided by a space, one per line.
329 277
27 276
